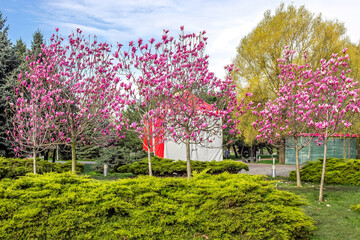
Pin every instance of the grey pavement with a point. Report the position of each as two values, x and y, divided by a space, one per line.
266 169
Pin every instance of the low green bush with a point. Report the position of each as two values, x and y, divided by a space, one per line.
169 167
15 167
356 208
224 206
338 171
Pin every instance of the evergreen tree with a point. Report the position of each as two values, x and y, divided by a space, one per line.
8 63
36 43
20 50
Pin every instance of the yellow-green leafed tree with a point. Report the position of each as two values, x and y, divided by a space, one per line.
258 52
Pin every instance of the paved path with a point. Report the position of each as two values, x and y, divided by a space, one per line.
266 169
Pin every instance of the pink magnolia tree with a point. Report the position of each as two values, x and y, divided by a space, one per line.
290 113
145 68
337 101
169 85
36 126
199 105
87 91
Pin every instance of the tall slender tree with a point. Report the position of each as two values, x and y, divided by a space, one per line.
36 122
290 114
8 62
337 101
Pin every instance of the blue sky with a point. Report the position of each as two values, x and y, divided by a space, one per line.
225 21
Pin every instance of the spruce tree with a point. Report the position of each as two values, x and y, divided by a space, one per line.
36 43
8 63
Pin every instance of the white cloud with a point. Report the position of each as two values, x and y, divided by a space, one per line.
226 22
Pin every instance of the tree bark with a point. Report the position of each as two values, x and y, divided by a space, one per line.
188 163
298 179
73 156
235 152
344 146
242 152
309 153
73 146
34 160
323 172
350 146
261 151
54 156
282 152
46 155
149 155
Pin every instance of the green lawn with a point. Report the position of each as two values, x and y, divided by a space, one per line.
334 218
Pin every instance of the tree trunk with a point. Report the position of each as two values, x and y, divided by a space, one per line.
34 161
261 151
149 155
298 179
344 146
235 152
73 156
270 150
54 155
46 155
188 165
350 146
309 153
323 172
73 145
282 152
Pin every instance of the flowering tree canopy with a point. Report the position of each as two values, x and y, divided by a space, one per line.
36 126
170 84
291 112
336 98
80 76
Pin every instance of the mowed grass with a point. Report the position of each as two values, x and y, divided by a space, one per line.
335 220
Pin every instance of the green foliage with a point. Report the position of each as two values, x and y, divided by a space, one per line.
356 208
338 171
36 43
88 152
117 156
225 206
169 167
16 167
8 63
289 26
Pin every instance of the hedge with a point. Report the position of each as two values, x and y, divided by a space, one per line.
15 167
168 167
338 171
224 206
